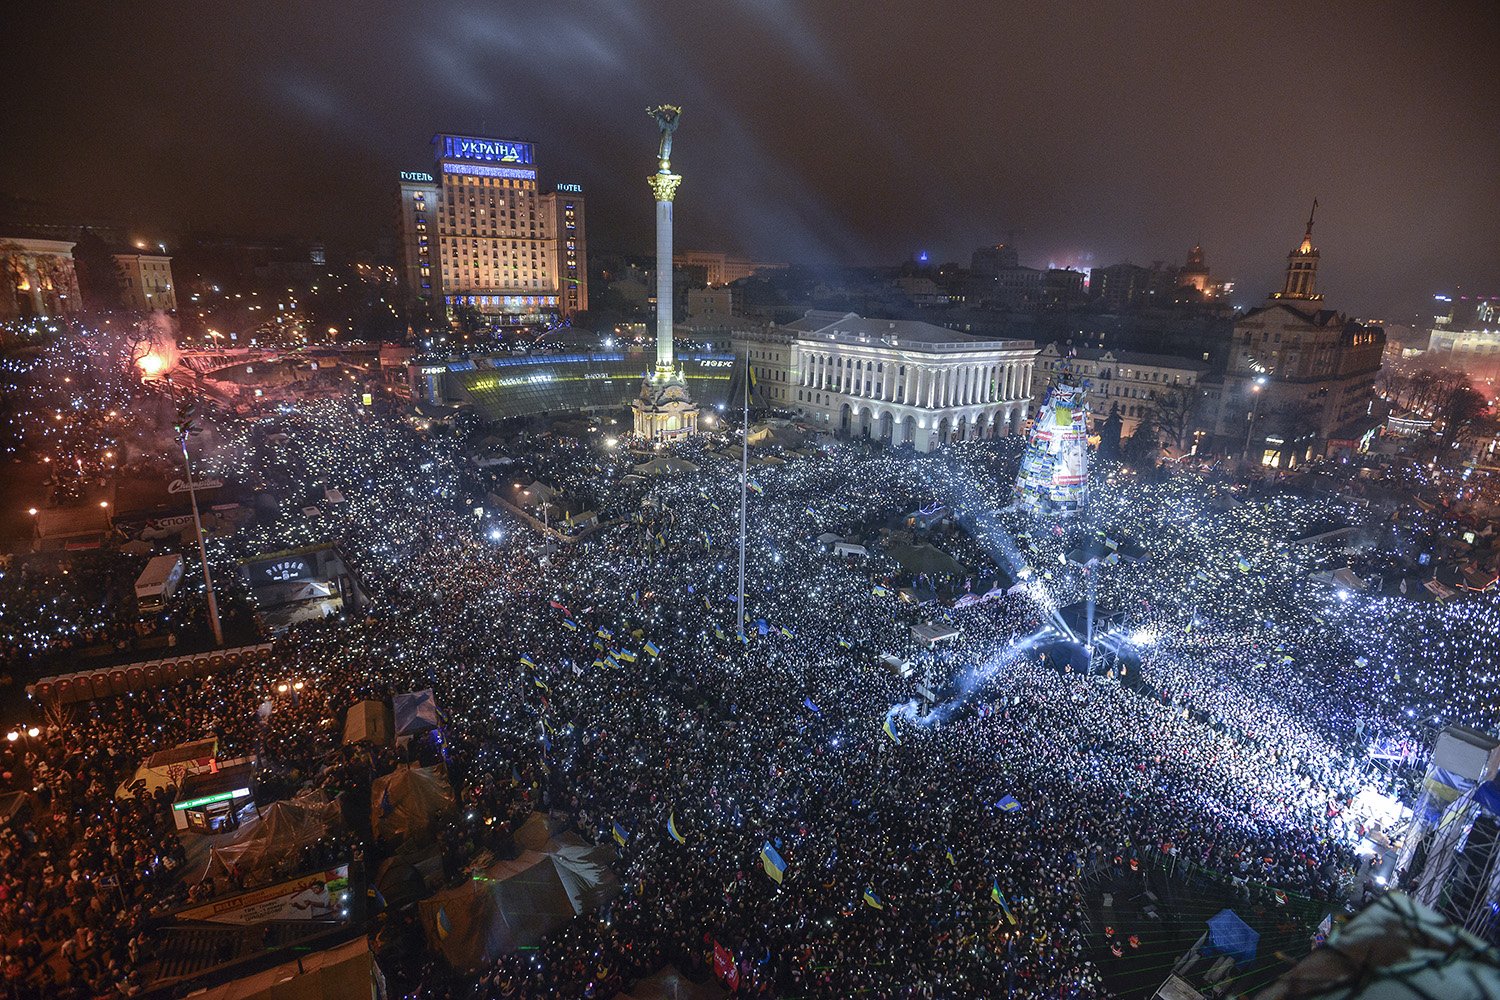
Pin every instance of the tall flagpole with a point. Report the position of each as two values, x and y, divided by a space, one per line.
744 489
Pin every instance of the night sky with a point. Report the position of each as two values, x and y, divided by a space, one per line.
813 132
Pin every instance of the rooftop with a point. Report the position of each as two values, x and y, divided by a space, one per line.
851 328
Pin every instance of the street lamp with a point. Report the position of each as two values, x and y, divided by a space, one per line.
187 413
1255 388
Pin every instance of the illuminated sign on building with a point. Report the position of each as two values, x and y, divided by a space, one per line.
571 188
479 170
416 175
463 147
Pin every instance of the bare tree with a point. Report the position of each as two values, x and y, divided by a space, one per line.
1174 408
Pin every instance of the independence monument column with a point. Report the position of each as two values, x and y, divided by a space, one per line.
664 410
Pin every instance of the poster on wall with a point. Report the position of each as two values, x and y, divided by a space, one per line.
314 896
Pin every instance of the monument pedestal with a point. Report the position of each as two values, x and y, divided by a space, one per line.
664 411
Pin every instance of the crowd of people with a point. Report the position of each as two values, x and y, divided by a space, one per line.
789 817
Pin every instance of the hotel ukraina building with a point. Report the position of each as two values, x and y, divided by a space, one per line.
896 381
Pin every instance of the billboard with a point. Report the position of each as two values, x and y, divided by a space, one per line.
320 895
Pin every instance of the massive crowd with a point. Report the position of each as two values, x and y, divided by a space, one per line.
613 682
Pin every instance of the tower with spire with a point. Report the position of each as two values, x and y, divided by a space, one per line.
1302 267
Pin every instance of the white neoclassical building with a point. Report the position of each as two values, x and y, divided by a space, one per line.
896 381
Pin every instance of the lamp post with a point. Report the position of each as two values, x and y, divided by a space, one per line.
1259 384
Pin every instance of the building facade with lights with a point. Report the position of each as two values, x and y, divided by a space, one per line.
901 382
145 281
37 279
1127 382
478 234
1301 377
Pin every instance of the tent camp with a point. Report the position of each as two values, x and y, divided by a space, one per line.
278 834
369 720
416 712
406 804
518 902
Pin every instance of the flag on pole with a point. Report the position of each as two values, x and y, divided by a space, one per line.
999 897
872 900
771 861
527 661
672 828
652 648
889 728
948 853
621 835
570 625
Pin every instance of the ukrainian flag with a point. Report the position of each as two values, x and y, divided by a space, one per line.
652 648
880 591
628 655
720 633
1244 565
570 625
999 897
756 488
771 861
444 925
948 853
889 728
744 638
845 643
527 661
707 605
872 900
785 631
706 543
662 541
605 633
672 829
621 835
541 684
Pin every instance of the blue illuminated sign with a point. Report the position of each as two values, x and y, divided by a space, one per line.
573 188
462 147
480 170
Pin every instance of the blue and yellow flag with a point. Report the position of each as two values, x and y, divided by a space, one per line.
845 643
570 625
999 897
880 591
672 828
444 925
810 512
527 661
785 631
948 853
1244 565
872 900
756 488
621 835
889 728
771 861
720 633
541 684
605 633
652 648
707 604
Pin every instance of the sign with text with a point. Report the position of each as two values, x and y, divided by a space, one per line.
181 486
315 896
465 147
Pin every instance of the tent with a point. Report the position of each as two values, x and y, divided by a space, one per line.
407 803
369 720
1230 935
669 984
416 712
518 902
278 834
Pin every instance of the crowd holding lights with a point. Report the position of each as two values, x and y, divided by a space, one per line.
612 682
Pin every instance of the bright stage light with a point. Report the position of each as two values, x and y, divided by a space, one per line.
1143 637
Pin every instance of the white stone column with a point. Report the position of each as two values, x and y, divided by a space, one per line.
663 284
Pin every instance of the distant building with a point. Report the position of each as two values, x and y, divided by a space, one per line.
145 281
1195 274
990 261
714 302
1127 381
896 381
477 233
720 268
1062 286
1301 377
37 279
